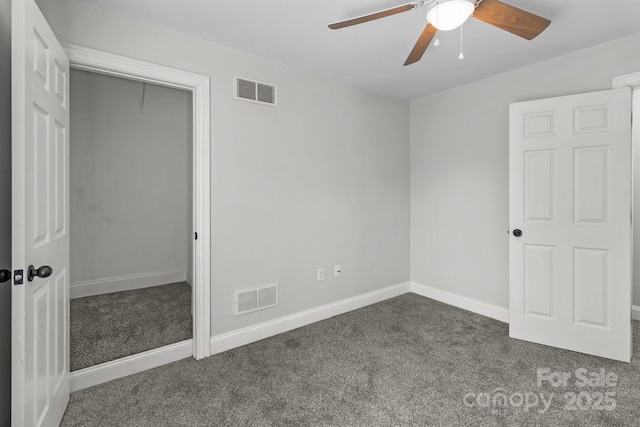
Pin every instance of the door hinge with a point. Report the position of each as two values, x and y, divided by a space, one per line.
18 277
196 236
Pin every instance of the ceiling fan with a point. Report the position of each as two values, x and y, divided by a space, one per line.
447 15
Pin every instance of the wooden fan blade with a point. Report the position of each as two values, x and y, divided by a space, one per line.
510 18
373 16
422 44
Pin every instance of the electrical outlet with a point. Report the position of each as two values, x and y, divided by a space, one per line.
337 270
320 274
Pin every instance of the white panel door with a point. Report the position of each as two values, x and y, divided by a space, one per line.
40 215
570 197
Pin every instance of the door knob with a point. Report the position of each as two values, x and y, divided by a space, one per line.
4 275
42 272
517 232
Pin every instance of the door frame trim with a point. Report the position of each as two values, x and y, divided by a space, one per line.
628 80
82 58
129 365
633 81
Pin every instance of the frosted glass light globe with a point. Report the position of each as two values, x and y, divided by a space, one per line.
450 15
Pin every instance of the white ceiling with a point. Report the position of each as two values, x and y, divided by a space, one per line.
371 55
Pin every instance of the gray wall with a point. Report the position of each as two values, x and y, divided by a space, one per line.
128 174
322 179
459 168
5 210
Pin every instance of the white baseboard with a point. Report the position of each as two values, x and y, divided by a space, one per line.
268 329
635 312
126 283
129 365
188 277
475 306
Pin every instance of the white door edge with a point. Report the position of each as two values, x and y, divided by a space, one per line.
632 80
82 58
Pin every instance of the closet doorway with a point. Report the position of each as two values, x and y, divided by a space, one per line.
130 209
156 233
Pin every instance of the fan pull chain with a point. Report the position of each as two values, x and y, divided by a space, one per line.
461 56
436 42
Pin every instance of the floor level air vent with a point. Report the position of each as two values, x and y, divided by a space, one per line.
249 300
254 91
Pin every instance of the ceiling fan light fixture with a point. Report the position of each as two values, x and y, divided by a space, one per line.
451 14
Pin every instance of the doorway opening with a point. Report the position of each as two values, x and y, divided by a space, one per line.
633 81
198 271
130 207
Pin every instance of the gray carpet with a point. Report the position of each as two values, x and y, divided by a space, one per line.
111 326
408 361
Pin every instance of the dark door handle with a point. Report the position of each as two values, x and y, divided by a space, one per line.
42 272
5 275
517 232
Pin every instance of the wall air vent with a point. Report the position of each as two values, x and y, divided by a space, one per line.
254 91
254 299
